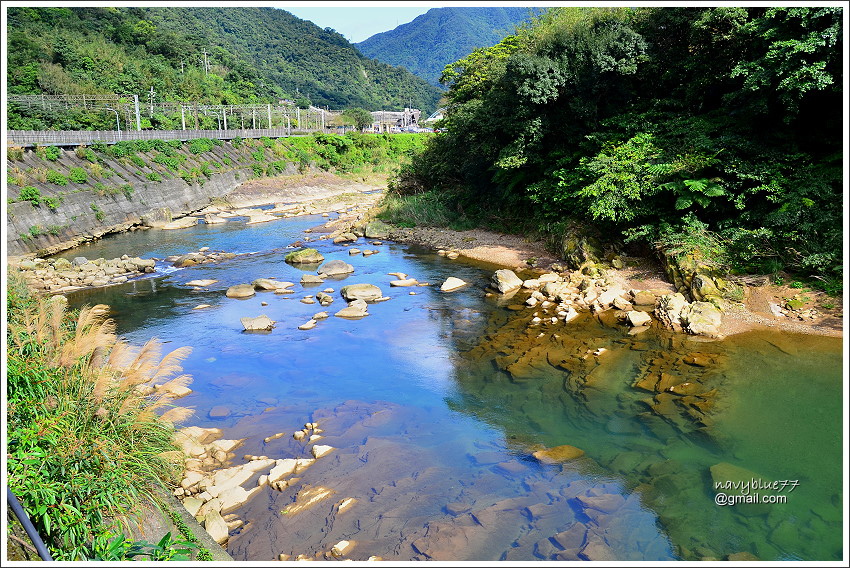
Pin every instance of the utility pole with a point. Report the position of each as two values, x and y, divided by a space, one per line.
151 100
138 119
206 64
270 116
183 116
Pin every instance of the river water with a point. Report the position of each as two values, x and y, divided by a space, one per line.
436 401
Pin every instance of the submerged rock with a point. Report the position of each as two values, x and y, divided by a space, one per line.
558 454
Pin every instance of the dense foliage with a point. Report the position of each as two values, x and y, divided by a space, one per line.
442 35
660 124
86 444
253 55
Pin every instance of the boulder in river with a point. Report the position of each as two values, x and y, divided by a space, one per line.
190 259
356 309
240 291
364 292
702 318
345 238
335 268
201 283
637 318
265 284
259 323
304 256
183 223
311 279
452 284
505 281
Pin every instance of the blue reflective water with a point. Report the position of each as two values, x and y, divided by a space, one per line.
434 438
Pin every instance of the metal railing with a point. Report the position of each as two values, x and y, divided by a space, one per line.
85 137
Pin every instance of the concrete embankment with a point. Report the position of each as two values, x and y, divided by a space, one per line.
82 194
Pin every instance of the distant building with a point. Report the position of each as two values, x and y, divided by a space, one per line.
395 121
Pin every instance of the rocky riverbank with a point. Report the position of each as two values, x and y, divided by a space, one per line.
764 304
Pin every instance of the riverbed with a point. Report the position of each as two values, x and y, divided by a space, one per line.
435 403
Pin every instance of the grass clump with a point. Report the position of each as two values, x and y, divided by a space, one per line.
429 209
87 435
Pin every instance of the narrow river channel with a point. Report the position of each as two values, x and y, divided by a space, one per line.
434 437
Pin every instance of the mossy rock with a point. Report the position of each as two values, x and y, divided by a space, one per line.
304 256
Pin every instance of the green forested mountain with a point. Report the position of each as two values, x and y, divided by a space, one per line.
711 131
253 55
441 36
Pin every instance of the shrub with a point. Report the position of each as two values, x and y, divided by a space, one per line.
38 174
96 169
52 153
153 176
15 177
78 175
127 190
258 170
101 189
206 169
170 162
200 145
266 141
55 177
138 161
15 153
227 161
259 156
236 142
52 202
80 152
30 193
99 147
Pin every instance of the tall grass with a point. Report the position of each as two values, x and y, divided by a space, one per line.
89 436
429 209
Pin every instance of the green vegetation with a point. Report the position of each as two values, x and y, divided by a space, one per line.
51 153
55 177
443 35
31 194
708 130
254 55
52 202
85 444
359 117
98 213
153 176
78 175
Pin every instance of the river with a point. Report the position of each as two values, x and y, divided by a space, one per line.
434 438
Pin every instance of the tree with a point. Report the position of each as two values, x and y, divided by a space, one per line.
361 117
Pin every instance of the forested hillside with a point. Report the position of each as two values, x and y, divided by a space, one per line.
710 131
209 55
441 36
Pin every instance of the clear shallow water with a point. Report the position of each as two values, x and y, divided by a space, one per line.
434 437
